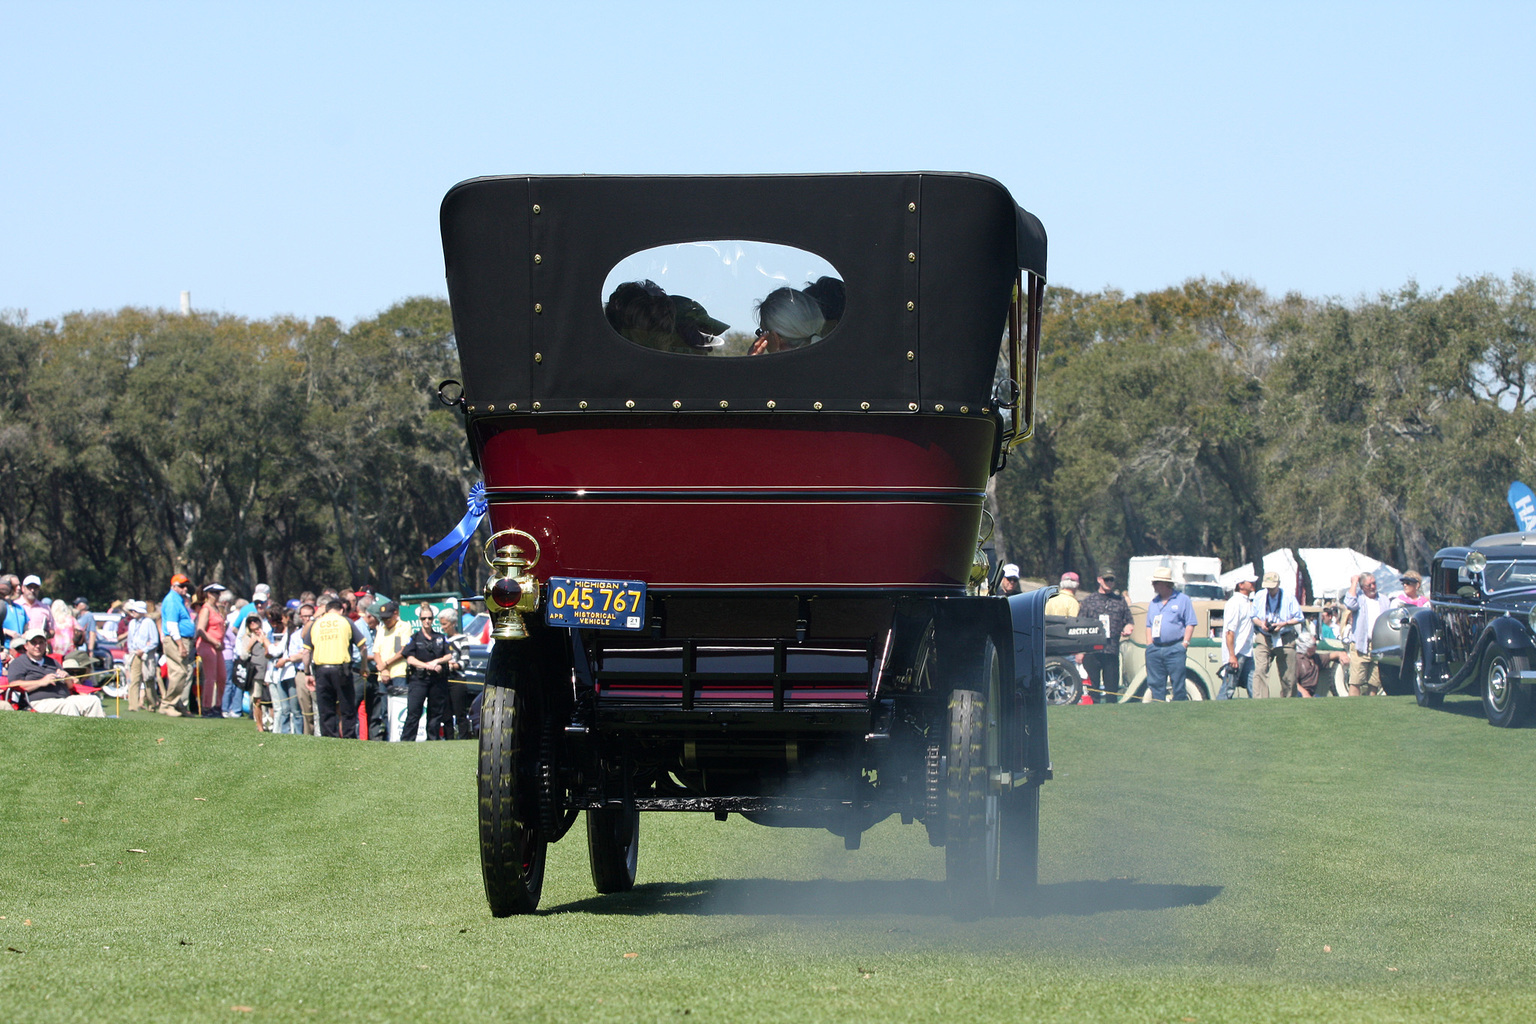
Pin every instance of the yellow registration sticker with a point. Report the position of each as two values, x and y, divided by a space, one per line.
595 604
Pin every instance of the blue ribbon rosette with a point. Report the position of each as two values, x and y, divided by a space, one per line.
457 541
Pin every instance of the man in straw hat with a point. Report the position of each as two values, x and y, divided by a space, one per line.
1276 616
1170 627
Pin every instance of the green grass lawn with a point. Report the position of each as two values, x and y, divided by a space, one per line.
1252 861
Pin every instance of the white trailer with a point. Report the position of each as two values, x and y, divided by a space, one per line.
1196 575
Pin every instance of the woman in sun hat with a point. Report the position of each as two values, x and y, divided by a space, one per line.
210 649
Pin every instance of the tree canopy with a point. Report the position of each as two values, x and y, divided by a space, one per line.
1214 419
1206 419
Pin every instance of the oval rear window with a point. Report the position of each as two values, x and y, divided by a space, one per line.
723 298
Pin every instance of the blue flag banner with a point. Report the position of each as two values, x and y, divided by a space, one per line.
456 544
1524 503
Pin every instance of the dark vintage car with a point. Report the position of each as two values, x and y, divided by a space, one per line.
1479 630
736 563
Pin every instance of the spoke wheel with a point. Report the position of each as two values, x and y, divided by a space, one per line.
511 847
1062 683
1506 700
971 810
1416 669
613 846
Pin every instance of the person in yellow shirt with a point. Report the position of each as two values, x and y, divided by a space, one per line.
1065 602
330 638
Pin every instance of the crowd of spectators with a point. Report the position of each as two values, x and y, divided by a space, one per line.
322 663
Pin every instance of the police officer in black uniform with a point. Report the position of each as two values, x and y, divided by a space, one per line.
428 658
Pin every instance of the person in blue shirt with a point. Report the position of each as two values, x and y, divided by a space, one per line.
1170 626
1276 618
177 630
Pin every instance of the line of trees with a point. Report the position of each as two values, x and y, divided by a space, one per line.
142 442
1214 419
1211 418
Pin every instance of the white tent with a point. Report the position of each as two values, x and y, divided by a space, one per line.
1329 569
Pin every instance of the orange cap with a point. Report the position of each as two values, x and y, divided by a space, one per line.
179 578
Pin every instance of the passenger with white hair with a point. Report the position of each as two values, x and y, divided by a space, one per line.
787 319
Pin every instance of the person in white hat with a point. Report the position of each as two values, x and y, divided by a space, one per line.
143 649
1237 641
1276 616
1170 626
1064 601
1008 584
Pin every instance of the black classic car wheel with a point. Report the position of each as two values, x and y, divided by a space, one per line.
1019 866
1062 683
971 810
511 848
1416 668
613 847
1506 700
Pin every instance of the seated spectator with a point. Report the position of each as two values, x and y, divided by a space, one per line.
787 319
46 684
831 296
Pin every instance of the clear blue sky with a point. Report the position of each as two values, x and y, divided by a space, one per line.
275 158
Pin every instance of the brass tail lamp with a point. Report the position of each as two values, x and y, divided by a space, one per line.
512 589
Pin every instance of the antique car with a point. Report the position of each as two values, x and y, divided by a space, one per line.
1479 630
735 562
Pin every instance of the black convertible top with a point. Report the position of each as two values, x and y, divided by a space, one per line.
929 261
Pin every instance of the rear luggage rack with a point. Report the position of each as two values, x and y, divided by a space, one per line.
692 674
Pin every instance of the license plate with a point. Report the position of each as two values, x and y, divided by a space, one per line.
595 604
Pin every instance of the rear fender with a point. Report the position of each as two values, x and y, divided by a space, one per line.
1029 747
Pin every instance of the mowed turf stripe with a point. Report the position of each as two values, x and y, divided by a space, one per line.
1196 861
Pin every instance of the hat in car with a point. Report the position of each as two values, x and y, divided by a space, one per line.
1162 575
690 313
31 581
1010 571
1271 579
1411 576
1069 581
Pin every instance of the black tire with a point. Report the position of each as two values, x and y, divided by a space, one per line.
613 847
1506 700
1019 866
1062 683
1413 664
511 848
971 827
